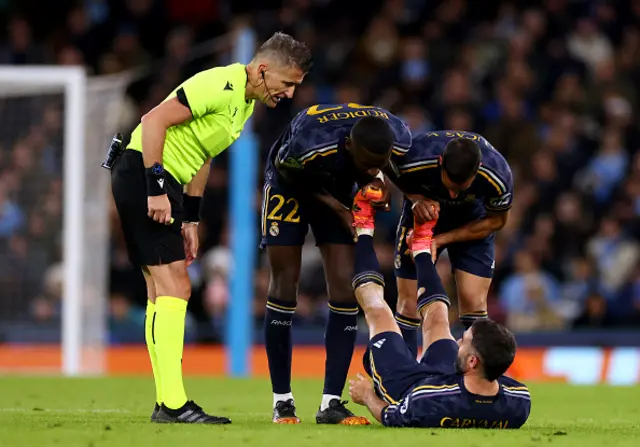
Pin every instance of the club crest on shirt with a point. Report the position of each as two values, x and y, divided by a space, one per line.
274 229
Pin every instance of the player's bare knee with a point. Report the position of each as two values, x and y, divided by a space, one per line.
407 298
370 297
380 319
436 315
341 291
470 302
283 284
407 305
472 292
380 314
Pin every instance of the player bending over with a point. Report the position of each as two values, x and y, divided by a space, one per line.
310 180
460 179
455 385
158 183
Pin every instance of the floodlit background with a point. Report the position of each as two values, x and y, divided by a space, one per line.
553 85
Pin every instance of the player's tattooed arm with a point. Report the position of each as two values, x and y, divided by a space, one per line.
478 229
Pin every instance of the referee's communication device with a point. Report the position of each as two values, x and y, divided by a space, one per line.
115 150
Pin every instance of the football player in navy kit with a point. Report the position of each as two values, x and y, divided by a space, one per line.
459 179
455 384
311 177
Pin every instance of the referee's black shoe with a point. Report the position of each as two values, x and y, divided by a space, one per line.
189 413
154 415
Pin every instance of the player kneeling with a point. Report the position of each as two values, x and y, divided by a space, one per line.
455 385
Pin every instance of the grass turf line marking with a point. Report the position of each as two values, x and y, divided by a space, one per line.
59 410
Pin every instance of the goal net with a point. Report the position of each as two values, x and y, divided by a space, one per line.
55 126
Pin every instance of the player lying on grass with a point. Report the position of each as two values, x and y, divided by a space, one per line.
310 180
460 179
455 385
170 152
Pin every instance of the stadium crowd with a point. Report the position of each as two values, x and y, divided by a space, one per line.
549 84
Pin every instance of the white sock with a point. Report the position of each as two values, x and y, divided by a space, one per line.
365 231
326 398
419 252
281 398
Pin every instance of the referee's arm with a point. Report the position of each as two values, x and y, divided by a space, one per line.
193 192
154 128
195 188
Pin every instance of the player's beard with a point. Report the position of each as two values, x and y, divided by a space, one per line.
459 365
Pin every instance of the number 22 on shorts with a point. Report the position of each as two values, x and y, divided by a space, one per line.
280 201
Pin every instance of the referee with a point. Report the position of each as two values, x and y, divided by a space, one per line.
158 184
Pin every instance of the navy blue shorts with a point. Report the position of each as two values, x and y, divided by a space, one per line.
475 257
286 218
395 371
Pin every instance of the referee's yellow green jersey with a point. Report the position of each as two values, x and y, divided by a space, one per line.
220 111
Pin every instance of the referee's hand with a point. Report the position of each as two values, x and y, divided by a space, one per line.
159 209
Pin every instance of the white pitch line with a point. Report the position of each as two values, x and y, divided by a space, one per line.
60 410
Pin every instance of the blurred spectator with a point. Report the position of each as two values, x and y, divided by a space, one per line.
11 218
606 169
596 314
588 44
529 296
615 254
20 48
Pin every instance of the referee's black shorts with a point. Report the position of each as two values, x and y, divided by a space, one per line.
148 242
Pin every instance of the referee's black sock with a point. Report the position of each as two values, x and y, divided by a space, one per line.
430 286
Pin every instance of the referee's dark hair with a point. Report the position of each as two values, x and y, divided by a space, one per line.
496 346
287 51
373 134
461 159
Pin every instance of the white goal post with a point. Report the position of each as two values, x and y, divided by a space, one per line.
89 119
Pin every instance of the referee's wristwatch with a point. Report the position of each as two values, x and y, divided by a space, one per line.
155 180
157 169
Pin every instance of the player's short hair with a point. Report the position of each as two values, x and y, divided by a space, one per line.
286 50
373 134
461 159
495 345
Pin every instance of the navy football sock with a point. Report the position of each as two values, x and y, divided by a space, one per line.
430 286
340 339
409 328
468 318
366 268
277 337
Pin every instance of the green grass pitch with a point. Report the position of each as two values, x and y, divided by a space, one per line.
41 412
